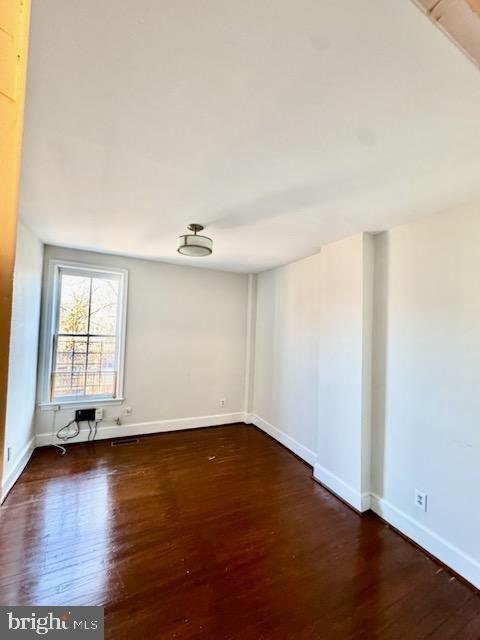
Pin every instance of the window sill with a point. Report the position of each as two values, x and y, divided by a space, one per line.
78 404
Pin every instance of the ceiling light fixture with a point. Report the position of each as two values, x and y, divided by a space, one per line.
194 245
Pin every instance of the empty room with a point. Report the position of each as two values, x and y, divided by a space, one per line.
240 319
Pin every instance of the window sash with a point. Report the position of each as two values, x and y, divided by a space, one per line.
84 371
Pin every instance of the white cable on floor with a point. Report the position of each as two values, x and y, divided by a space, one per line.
54 434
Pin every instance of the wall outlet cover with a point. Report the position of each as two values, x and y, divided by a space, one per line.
421 500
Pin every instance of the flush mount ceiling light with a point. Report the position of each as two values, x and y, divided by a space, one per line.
194 245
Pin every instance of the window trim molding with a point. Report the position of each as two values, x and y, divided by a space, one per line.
50 310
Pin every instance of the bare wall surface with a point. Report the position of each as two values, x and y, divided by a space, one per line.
344 368
22 375
185 343
395 375
286 352
426 432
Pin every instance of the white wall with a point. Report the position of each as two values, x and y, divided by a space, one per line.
344 329
426 427
312 351
286 359
185 347
395 323
19 435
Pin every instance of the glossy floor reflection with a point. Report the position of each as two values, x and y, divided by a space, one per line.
218 534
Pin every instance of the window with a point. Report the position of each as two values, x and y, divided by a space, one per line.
86 333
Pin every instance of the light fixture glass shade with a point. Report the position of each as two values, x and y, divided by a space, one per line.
194 245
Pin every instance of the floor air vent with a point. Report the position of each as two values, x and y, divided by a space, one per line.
124 441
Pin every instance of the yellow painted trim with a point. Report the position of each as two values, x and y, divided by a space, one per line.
14 26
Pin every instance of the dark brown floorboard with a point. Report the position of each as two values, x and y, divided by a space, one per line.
217 534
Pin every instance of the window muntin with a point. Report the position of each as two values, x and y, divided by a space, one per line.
87 334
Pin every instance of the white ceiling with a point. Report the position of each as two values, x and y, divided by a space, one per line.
279 124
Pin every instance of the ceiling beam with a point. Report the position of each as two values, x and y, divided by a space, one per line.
459 20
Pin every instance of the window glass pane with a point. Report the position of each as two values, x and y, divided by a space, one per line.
103 312
74 300
85 360
101 365
70 365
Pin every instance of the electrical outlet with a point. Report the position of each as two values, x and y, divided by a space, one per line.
223 402
421 500
99 414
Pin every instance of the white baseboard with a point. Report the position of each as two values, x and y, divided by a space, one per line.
448 553
17 467
359 501
302 452
144 428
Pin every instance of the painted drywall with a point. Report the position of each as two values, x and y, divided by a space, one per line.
394 321
346 282
185 346
22 374
426 400
250 344
286 354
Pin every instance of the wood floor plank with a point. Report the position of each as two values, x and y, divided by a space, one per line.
216 534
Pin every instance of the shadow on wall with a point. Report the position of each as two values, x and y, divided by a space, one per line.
379 360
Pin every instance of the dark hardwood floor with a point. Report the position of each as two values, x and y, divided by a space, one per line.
218 534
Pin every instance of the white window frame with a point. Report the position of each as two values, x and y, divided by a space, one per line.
50 319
